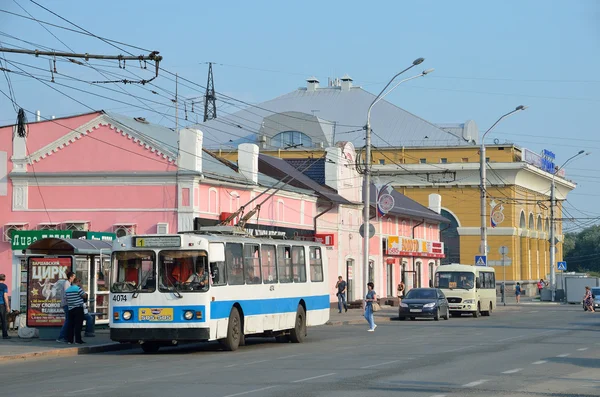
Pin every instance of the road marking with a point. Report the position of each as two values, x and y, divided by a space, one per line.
582 349
313 377
564 355
256 362
458 349
250 391
513 371
231 365
525 336
78 391
377 365
290 356
539 362
476 383
439 395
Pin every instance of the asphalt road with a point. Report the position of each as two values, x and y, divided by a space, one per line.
525 351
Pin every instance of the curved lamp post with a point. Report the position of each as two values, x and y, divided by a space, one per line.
367 166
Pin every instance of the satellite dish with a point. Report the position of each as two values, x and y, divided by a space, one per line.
496 141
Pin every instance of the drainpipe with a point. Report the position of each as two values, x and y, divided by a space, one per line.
415 226
321 214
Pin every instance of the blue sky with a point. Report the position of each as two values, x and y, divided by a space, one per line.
489 57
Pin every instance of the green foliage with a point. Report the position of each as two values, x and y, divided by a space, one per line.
582 250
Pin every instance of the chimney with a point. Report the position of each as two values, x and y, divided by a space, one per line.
333 159
38 116
248 161
312 84
346 82
190 149
435 203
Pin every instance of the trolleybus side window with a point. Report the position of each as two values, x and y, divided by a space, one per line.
183 271
234 258
284 263
269 263
299 264
134 271
252 263
316 264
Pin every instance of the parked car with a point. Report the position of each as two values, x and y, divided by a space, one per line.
424 302
596 295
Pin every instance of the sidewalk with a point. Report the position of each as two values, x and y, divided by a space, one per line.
356 316
20 349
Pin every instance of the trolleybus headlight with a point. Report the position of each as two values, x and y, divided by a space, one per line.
188 315
126 315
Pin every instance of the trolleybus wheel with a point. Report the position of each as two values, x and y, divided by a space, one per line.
298 333
150 347
232 341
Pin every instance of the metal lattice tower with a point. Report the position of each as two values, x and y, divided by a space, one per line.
210 100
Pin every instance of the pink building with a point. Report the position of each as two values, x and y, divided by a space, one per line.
110 173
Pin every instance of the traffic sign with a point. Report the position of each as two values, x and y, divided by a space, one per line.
562 265
503 250
480 260
361 230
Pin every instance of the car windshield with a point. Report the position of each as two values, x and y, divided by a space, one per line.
183 271
134 271
421 294
452 280
596 291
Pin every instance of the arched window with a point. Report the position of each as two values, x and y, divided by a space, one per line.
539 223
451 240
234 201
213 203
289 138
531 223
547 226
280 210
522 223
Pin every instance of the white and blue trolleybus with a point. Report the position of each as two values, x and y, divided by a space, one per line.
215 284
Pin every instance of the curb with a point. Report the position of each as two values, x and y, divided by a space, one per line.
70 351
358 321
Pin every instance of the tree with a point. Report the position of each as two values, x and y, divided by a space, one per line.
582 250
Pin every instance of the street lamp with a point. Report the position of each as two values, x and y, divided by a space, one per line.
552 225
483 182
367 167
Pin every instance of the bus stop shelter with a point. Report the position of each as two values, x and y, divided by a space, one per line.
90 262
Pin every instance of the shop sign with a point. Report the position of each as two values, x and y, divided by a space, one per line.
325 239
45 289
101 236
404 246
21 239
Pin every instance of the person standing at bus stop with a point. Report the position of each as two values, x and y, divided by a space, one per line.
341 294
75 300
4 307
62 337
369 299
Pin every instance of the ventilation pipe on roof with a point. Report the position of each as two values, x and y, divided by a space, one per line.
346 83
312 84
248 161
435 203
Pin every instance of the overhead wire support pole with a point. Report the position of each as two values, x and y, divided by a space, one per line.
210 99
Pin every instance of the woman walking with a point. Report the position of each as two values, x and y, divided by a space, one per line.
518 292
588 300
369 299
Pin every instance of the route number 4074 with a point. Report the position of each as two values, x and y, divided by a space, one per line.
119 298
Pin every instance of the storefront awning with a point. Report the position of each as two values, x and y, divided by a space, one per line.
70 246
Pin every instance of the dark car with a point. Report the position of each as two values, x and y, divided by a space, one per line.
424 302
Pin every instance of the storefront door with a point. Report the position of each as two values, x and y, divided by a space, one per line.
349 281
390 279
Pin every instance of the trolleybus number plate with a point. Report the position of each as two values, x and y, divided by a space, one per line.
156 315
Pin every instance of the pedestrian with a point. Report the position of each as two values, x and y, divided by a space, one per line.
341 294
369 299
65 284
401 289
75 300
540 286
90 321
518 292
4 307
588 300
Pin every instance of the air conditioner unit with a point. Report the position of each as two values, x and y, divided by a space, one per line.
162 228
49 226
124 229
9 228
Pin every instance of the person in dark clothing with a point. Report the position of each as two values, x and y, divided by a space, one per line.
4 307
75 300
341 294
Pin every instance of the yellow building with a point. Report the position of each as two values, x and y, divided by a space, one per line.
518 200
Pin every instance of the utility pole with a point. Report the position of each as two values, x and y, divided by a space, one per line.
176 104
210 100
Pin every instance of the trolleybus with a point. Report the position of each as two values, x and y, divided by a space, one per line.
217 284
